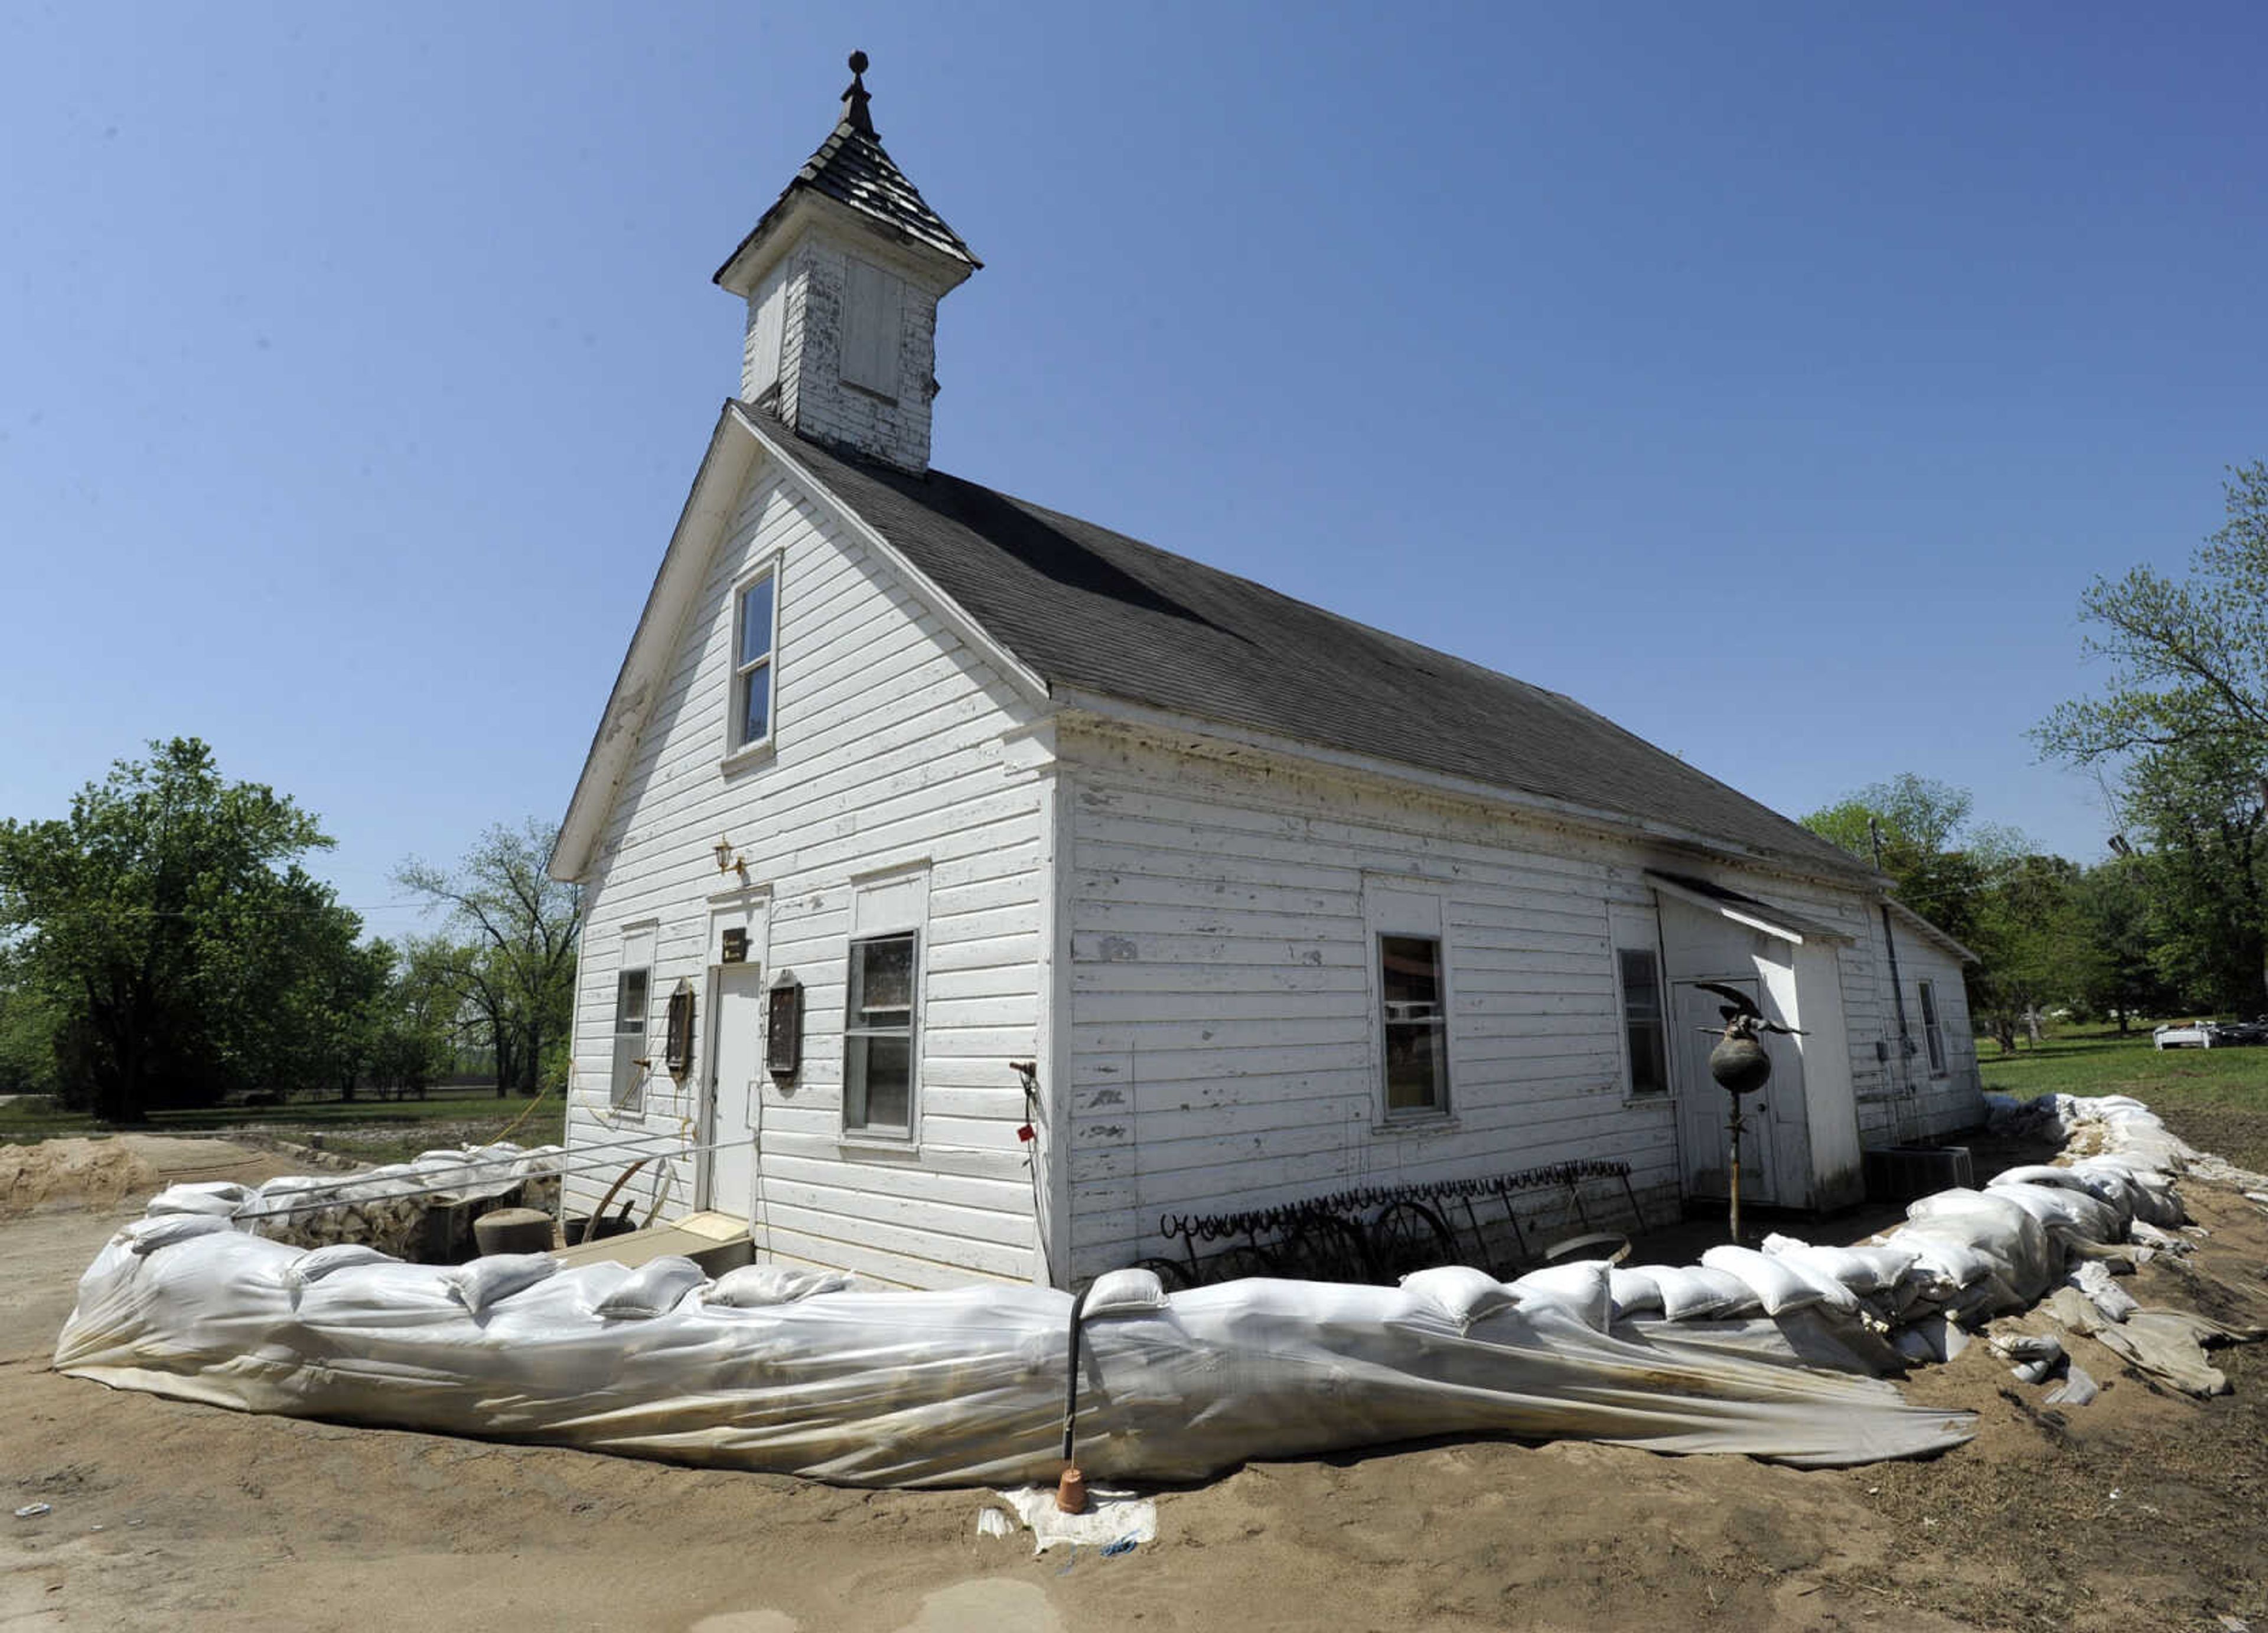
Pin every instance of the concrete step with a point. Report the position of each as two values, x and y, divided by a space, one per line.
717 1242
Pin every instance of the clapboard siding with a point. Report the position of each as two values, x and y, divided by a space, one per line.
1222 1052
897 744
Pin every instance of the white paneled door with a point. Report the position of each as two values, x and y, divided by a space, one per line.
736 1061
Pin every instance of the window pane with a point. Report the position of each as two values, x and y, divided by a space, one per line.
1416 1066
756 703
630 1002
1649 1067
756 623
878 1081
1412 976
1641 984
882 982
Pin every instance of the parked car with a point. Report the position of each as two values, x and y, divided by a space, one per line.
2238 1033
2186 1035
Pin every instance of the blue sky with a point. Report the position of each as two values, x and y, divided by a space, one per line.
1772 378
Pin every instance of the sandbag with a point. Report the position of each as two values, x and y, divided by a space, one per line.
496 1276
1634 1292
223 1197
1459 1293
1692 1292
2066 1213
1581 1289
654 1289
753 1286
1123 1292
166 1229
317 1263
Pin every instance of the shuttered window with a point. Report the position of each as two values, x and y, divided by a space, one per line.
873 318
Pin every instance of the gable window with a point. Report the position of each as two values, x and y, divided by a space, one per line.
879 1029
873 318
1932 1029
629 1087
753 630
1416 1025
1644 1038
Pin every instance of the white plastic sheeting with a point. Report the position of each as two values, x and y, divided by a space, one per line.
1766 1353
951 1388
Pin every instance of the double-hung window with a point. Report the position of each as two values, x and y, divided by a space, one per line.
753 630
878 1031
627 1091
1932 1029
1416 1022
1644 1037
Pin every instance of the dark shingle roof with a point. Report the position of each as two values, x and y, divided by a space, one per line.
851 168
1092 609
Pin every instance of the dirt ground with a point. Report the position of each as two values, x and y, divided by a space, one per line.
2142 1510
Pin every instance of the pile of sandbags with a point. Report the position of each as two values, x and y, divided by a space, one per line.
387 1208
1763 1351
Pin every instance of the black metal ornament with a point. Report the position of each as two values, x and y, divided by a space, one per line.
1741 1065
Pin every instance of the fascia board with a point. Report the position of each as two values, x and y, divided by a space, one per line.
1930 931
1758 916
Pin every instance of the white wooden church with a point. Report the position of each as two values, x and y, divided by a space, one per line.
905 780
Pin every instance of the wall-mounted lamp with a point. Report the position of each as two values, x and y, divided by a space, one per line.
728 860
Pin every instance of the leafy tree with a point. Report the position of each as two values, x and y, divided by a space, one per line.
416 1020
515 968
2115 902
1981 885
168 932
2190 660
2184 717
2032 943
28 1024
1939 860
2200 810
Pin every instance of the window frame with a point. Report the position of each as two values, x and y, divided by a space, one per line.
1624 950
910 1031
626 1090
1439 1109
1932 1028
738 744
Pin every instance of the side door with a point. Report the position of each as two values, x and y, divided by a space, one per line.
735 1101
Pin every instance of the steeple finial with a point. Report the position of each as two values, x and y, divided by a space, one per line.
854 98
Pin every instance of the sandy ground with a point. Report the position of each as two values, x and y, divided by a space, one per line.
2143 1510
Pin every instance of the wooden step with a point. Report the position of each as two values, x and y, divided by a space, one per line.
717 1242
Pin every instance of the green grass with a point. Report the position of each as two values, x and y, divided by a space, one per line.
2215 1099
373 1130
